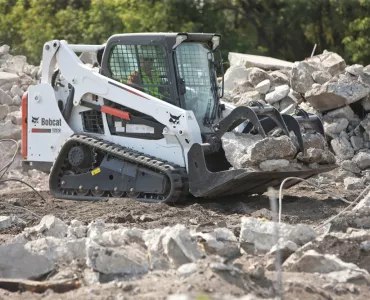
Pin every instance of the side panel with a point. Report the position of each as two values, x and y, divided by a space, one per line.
46 128
168 148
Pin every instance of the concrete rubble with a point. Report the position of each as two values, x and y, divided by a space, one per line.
260 236
104 254
16 76
10 221
338 93
313 262
18 262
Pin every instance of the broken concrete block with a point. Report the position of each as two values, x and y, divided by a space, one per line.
179 246
16 91
91 277
235 146
257 75
248 97
17 262
362 160
357 142
261 235
153 238
241 88
187 269
233 76
355 70
348 275
16 101
341 174
278 94
48 226
125 260
300 79
288 102
119 237
330 62
15 117
286 248
321 77
58 250
279 78
351 166
263 62
343 112
11 221
5 99
366 103
336 127
10 131
342 148
313 262
336 94
353 183
365 123
263 87
273 164
313 155
220 242
77 230
4 110
271 148
310 140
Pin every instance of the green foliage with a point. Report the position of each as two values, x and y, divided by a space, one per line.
284 29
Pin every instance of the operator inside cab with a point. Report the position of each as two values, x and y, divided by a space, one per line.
148 79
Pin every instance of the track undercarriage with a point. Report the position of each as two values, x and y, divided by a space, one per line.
91 169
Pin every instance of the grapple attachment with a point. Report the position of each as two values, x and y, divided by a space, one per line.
260 119
252 114
287 123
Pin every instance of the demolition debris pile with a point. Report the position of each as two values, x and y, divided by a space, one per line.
16 75
69 255
323 85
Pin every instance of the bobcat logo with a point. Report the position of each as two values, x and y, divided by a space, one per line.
35 120
175 119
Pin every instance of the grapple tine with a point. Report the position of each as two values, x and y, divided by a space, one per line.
290 121
273 113
305 118
294 126
236 117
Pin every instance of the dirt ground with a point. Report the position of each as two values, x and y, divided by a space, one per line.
301 204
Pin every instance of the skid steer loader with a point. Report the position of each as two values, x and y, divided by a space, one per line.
145 124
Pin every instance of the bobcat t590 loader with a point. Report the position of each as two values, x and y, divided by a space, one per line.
147 124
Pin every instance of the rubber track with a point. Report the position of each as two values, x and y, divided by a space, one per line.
177 175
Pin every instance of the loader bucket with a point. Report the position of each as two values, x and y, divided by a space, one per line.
203 183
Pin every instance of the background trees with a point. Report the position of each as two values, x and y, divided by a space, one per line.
284 29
